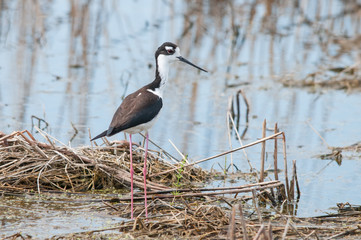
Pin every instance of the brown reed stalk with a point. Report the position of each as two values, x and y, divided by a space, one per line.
286 229
270 230
259 233
285 165
292 182
244 229
296 179
232 224
275 154
256 206
247 105
263 152
239 139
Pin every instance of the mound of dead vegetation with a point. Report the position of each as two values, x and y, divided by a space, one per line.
178 208
29 164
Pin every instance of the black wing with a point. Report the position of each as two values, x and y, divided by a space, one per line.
137 108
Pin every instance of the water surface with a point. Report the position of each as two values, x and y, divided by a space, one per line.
70 63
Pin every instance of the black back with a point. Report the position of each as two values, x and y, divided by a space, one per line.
137 108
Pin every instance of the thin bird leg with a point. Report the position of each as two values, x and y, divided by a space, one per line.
131 173
145 176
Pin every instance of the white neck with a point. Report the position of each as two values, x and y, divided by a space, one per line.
163 69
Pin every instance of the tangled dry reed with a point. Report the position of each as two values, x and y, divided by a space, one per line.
188 212
29 164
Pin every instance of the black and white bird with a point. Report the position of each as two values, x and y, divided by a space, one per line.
139 110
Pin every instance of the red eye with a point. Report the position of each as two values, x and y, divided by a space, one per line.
170 51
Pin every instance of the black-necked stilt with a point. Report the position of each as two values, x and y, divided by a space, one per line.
139 110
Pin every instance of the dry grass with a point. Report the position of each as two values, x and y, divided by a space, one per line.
187 212
29 164
213 218
345 78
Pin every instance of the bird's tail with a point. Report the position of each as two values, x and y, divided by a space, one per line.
103 134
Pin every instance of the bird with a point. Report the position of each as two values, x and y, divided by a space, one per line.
139 110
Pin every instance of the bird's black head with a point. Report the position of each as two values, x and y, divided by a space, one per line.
166 48
169 52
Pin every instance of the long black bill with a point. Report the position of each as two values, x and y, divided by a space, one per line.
188 62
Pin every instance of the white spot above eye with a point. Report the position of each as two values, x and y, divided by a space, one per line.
168 48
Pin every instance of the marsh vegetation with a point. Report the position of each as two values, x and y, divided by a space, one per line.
66 65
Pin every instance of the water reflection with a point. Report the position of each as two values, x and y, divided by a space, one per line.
71 62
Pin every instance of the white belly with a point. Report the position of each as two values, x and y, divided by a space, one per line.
142 127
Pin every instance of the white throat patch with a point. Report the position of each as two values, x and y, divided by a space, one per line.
163 66
163 69
164 62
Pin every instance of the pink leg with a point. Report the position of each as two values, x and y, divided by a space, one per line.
131 173
145 176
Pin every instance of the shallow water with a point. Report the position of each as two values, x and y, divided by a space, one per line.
44 217
71 63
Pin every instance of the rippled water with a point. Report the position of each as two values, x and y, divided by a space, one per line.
70 63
